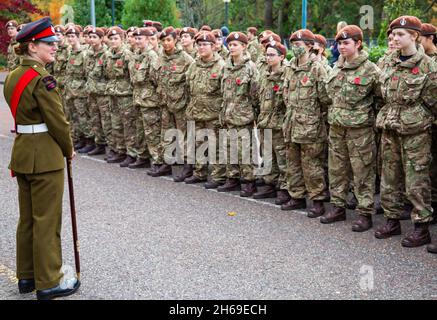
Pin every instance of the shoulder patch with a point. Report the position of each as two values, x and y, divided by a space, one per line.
49 82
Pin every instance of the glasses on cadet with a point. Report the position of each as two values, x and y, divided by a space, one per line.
271 55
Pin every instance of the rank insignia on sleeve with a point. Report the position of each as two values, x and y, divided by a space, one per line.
49 82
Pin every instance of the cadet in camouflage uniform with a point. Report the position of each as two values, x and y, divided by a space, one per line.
13 60
130 39
304 126
383 61
219 46
173 64
61 59
353 87
409 87
98 102
261 63
429 43
119 88
75 93
319 51
188 42
239 87
143 76
272 112
204 80
254 47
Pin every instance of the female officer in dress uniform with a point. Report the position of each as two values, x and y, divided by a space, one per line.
42 141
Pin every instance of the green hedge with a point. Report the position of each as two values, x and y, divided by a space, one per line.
2 61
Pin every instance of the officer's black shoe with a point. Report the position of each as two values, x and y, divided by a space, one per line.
64 289
26 285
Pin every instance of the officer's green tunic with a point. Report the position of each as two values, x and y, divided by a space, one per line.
38 162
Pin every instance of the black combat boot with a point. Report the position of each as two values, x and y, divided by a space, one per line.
363 223
230 185
283 197
99 149
391 228
248 190
127 161
187 172
334 215
89 146
269 191
317 210
418 237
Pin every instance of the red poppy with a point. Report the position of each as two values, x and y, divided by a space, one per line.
357 80
415 70
119 63
238 81
100 62
72 61
305 79
214 75
395 78
173 67
276 88
137 66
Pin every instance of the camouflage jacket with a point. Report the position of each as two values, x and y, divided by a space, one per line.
60 64
204 82
262 65
255 50
355 92
143 72
193 53
224 53
13 60
75 78
409 89
306 101
239 88
172 79
95 71
272 106
117 71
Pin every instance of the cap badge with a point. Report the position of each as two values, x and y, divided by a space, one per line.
114 32
185 29
236 36
403 22
299 35
344 34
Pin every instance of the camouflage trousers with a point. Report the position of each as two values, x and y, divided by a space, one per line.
305 165
130 118
243 170
277 159
170 120
352 156
78 115
100 117
118 105
218 172
406 164
434 164
149 134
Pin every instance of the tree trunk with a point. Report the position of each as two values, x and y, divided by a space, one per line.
268 14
